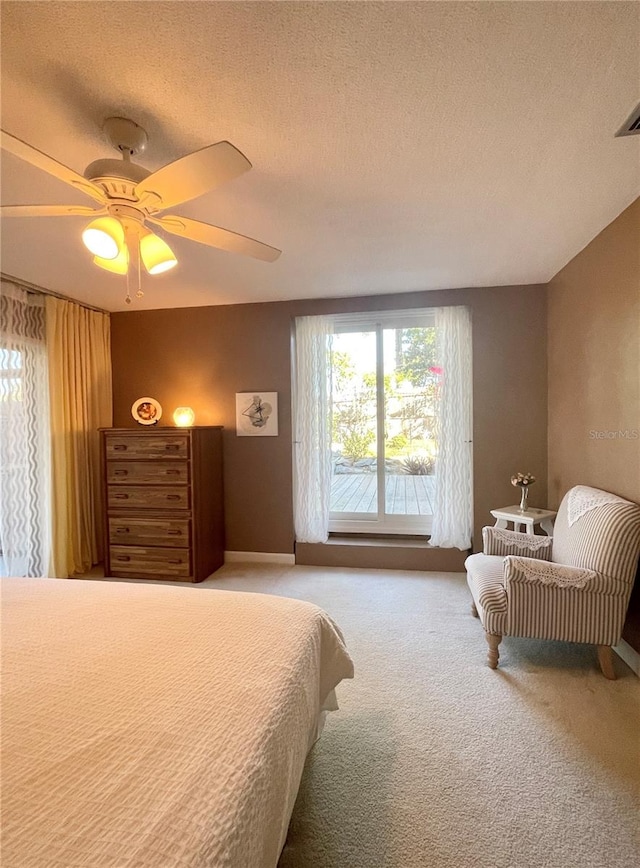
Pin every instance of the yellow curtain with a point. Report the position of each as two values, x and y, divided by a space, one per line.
79 356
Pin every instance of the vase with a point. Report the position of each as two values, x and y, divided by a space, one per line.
524 498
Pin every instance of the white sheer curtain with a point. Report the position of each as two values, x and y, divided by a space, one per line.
453 507
312 428
25 460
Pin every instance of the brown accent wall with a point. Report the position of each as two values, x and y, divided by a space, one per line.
594 371
201 357
594 364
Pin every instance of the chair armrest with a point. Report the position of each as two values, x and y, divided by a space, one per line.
521 570
570 604
496 541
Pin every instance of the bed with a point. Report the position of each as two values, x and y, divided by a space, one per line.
147 725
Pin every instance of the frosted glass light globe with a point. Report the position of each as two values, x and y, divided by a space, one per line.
184 417
104 237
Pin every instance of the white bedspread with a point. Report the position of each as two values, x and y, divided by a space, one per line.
148 725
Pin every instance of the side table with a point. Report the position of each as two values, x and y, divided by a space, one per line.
528 519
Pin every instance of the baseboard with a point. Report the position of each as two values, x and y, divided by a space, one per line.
259 558
630 656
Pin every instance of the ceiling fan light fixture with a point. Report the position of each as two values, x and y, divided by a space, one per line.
156 254
119 265
129 195
104 237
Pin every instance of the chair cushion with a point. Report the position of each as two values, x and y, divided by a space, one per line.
485 577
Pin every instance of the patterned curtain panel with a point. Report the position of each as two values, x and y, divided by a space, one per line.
25 467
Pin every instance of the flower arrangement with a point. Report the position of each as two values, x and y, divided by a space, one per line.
523 481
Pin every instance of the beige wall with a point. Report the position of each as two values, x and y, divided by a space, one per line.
594 364
202 356
594 372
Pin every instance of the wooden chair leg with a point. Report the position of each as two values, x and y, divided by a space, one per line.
493 640
474 611
605 659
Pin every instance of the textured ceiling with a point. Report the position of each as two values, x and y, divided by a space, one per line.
396 146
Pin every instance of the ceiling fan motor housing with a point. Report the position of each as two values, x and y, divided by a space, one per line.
128 138
123 169
111 174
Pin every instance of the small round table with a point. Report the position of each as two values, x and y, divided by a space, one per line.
528 519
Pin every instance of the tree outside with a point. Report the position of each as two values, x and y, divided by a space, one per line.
411 380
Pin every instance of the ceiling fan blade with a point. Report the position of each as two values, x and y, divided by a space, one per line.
216 237
194 174
50 211
41 161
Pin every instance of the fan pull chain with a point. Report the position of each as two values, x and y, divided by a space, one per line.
127 242
139 293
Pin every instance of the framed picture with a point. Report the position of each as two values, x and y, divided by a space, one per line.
146 411
257 414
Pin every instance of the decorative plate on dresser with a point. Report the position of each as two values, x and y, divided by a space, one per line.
163 503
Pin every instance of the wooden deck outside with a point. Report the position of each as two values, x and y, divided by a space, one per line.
404 495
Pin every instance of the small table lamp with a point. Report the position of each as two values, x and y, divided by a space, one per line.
184 417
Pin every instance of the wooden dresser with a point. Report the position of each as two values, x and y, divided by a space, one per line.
163 502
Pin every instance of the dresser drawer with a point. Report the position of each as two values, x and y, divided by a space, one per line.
146 446
148 472
148 496
144 560
150 531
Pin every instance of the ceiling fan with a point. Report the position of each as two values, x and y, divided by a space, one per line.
129 197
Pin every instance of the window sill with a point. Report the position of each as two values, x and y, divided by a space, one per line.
411 526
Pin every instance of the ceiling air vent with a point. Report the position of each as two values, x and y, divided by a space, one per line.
631 127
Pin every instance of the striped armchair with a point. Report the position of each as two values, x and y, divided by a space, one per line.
573 587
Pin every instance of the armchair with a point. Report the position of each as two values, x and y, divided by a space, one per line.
574 586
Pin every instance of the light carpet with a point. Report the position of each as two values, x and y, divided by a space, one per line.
436 761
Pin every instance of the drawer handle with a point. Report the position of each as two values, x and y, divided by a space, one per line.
123 558
174 561
173 497
173 472
120 447
121 496
120 472
172 447
122 530
174 532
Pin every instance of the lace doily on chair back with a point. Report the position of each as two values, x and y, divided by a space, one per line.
583 499
530 543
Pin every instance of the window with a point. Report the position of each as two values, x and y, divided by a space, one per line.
382 425
385 378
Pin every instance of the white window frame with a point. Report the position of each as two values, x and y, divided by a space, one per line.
381 522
